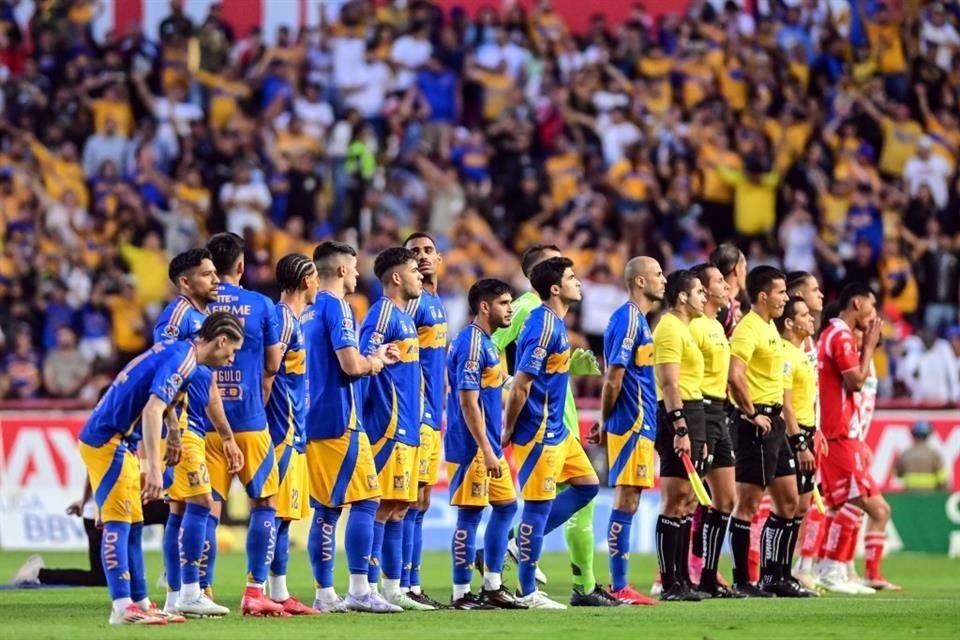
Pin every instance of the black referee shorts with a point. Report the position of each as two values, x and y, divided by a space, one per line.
758 455
719 445
671 465
805 481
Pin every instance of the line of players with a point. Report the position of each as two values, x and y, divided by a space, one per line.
362 429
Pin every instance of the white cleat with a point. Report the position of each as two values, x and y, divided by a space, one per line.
338 606
29 572
539 600
807 580
834 579
202 607
402 600
513 554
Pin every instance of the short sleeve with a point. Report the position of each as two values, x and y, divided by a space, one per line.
340 325
172 376
271 326
844 352
533 344
789 369
667 345
470 368
375 328
619 342
743 343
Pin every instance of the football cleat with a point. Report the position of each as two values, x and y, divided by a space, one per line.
296 608
400 599
749 590
596 598
629 595
202 607
539 600
29 572
255 603
172 617
500 598
680 593
470 602
134 615
882 584
513 554
423 598
370 603
338 606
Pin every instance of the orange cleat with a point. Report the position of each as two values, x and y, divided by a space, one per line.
255 603
629 595
296 608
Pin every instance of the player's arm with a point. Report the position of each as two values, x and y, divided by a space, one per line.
612 384
218 418
174 438
286 335
354 362
737 380
856 372
470 408
152 428
273 353
519 392
619 343
532 347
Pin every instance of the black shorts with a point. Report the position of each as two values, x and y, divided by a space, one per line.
786 460
719 445
806 481
758 455
671 465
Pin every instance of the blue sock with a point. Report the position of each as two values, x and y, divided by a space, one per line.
496 536
392 554
376 551
618 540
417 550
322 545
409 526
193 535
260 541
138 572
463 547
171 550
315 543
115 555
281 550
533 521
358 538
568 502
209 557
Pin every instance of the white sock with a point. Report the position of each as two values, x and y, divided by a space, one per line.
172 597
120 604
391 587
190 592
460 590
359 586
144 604
373 587
255 585
327 595
278 588
415 588
491 581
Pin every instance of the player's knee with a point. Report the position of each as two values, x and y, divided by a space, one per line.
880 511
626 499
507 509
724 503
205 500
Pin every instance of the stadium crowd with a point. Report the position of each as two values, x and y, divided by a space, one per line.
819 135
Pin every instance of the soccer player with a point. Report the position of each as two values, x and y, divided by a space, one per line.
546 450
578 531
796 325
286 412
190 531
712 341
848 487
681 429
241 387
392 415
479 474
129 416
431 321
756 383
628 415
339 459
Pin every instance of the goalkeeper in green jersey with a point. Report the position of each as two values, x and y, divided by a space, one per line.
579 529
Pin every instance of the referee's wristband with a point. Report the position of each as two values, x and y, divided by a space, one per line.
676 415
798 442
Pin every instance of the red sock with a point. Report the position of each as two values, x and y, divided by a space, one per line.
851 549
842 533
811 534
873 542
756 530
828 519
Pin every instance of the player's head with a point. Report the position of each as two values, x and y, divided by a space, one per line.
797 318
714 284
767 288
428 258
223 336
536 254
397 270
645 275
554 277
297 273
731 262
858 303
193 274
336 261
806 285
684 290
226 249
492 300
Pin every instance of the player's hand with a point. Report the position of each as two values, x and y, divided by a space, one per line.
764 423
234 456
174 451
152 484
505 438
388 354
867 456
807 461
376 365
492 463
872 335
681 445
598 434
75 508
820 445
584 363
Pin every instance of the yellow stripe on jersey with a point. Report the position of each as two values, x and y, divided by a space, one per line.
296 362
287 332
491 377
409 349
644 355
558 362
433 337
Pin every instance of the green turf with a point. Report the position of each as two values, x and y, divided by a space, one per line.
928 608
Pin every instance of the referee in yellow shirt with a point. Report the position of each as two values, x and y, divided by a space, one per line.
756 383
681 428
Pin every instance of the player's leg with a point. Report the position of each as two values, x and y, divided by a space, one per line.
502 496
220 480
778 536
878 516
805 483
171 552
720 480
291 506
429 470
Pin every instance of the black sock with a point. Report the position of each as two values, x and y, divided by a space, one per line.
772 541
740 546
714 531
700 516
683 550
668 538
791 547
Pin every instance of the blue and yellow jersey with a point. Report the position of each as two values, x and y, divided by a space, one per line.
628 343
181 320
393 400
543 351
161 371
286 407
331 407
473 365
241 384
431 320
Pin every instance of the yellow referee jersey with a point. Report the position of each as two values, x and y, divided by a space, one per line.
709 336
674 344
800 378
757 343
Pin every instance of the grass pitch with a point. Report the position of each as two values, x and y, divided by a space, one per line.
929 608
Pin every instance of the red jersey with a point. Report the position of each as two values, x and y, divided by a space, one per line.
837 352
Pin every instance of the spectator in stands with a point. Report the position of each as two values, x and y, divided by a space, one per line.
65 370
920 468
21 376
930 370
244 201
